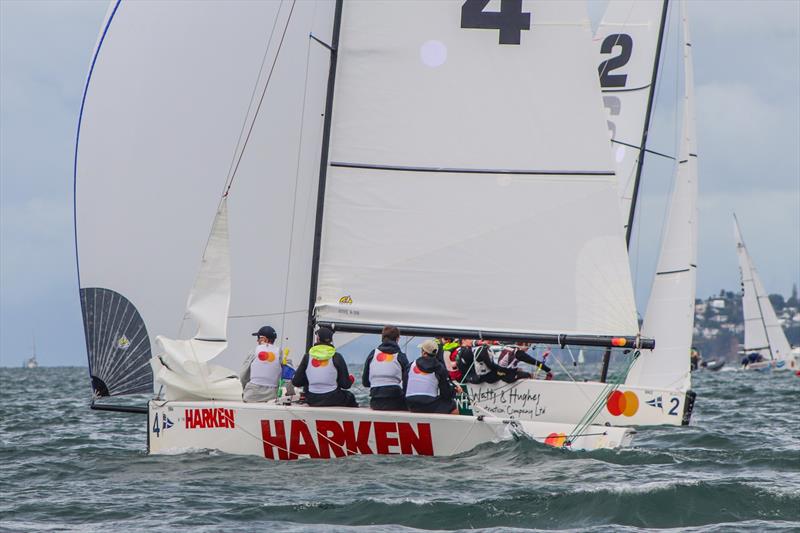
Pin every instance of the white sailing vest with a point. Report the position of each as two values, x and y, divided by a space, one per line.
321 375
481 369
265 370
385 369
421 383
506 358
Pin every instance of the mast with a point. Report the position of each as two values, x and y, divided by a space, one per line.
323 171
640 162
643 144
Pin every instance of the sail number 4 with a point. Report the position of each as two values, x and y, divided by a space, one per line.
510 20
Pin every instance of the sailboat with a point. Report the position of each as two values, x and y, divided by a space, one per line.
763 334
396 145
31 361
657 386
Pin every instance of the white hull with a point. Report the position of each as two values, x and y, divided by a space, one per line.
568 402
290 432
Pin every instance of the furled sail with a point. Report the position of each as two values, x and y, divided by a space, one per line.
469 181
628 39
170 91
762 331
183 369
670 310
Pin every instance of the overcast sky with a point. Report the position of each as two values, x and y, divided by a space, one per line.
747 71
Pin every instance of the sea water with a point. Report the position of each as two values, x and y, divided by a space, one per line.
64 467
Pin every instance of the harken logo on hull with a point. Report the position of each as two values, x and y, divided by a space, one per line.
323 439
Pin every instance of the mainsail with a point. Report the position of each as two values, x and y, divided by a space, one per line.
469 182
170 91
670 310
629 38
762 331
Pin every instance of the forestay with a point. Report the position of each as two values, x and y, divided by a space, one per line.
670 310
470 183
628 38
762 331
170 90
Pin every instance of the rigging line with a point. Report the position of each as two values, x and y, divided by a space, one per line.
261 100
253 94
269 314
647 150
294 196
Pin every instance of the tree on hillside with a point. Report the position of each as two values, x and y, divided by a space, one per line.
792 301
777 301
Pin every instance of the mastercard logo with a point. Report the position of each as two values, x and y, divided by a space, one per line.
622 403
318 363
556 440
266 356
385 357
418 371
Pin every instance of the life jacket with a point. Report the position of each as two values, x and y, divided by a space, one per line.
481 368
507 358
265 370
321 372
421 383
385 369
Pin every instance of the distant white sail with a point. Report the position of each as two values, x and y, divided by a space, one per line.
628 38
762 331
459 134
170 90
670 311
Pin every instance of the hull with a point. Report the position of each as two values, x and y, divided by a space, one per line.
288 432
568 402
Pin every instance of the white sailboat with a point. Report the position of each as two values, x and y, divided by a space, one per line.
763 334
397 142
31 362
656 390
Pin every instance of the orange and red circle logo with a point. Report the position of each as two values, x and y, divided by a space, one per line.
622 403
318 363
384 357
266 356
556 440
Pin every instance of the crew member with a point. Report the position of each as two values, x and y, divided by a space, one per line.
261 371
323 372
428 388
385 373
510 358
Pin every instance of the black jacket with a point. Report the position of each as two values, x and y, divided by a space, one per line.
342 373
386 347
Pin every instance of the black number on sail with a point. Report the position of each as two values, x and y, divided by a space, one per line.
606 67
510 20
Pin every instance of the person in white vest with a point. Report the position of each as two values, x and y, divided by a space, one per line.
324 375
261 371
385 373
428 387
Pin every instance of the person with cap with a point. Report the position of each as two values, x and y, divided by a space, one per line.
324 375
428 388
385 373
261 371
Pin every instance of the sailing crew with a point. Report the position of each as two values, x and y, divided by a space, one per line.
427 387
324 375
385 373
448 351
261 371
511 356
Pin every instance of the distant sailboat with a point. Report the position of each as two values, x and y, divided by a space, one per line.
764 340
31 361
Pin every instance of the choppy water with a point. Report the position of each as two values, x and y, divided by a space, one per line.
736 468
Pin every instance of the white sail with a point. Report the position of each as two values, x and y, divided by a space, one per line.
670 310
172 88
454 139
627 39
762 331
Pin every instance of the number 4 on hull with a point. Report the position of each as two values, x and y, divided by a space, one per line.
510 20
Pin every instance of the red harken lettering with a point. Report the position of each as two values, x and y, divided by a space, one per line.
215 417
337 439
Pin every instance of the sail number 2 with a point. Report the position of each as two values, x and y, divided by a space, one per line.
510 20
